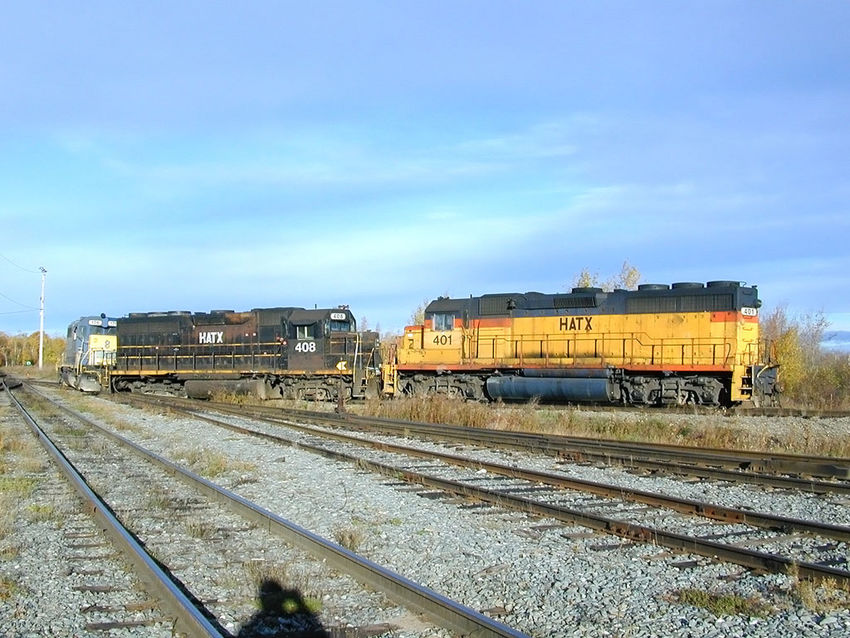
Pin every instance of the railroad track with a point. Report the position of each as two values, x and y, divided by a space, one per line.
818 475
185 615
809 546
442 611
55 541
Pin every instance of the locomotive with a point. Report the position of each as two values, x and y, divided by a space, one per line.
89 354
285 352
685 343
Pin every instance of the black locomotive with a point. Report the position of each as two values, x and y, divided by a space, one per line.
270 352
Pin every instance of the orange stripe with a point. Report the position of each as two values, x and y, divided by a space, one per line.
494 322
731 315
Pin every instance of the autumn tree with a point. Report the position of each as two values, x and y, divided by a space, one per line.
627 279
17 350
794 343
417 317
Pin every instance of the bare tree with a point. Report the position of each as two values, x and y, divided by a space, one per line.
586 279
417 317
627 279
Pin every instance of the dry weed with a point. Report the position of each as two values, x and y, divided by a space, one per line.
631 425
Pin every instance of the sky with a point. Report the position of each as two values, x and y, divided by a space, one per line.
215 155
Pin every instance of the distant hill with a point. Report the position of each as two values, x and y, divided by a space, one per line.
836 340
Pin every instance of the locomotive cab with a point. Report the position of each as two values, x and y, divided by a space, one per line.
90 351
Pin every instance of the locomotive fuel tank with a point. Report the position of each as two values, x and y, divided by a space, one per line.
565 386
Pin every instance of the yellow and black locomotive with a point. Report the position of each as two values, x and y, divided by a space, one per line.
657 345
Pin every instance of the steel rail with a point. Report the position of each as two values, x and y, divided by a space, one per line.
703 410
688 506
684 505
742 459
443 611
537 443
748 558
775 411
702 462
189 619
650 455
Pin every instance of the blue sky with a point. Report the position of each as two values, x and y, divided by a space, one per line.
200 155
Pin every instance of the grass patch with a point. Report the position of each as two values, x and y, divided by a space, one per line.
102 411
8 588
200 530
19 487
212 464
433 409
14 444
158 500
10 553
722 604
821 597
19 452
259 571
67 429
349 537
7 515
653 426
42 513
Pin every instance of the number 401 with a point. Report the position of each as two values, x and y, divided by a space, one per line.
443 340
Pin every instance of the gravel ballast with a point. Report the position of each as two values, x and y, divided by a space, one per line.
539 576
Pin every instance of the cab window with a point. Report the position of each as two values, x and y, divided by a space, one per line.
304 332
340 326
443 321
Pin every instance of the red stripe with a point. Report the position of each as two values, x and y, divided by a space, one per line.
676 367
633 368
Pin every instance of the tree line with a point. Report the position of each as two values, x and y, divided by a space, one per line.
22 350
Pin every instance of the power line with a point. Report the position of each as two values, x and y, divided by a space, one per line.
34 272
18 303
18 312
27 307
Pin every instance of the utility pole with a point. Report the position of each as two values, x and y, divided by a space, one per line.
41 321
